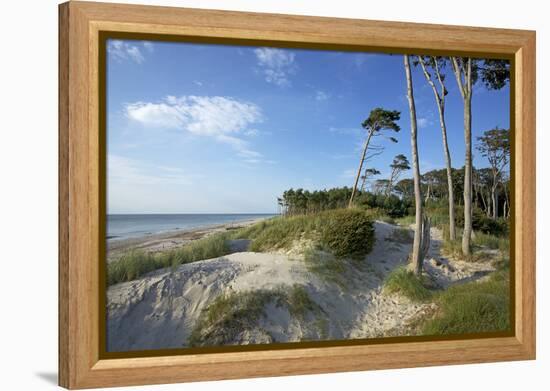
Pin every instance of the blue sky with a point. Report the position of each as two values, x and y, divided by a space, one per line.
226 129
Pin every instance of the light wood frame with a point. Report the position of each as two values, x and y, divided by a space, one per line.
80 365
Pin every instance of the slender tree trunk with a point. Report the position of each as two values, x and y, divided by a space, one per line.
440 102
364 154
416 257
466 237
466 92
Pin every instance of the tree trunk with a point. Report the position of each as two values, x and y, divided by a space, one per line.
494 197
354 190
440 102
466 237
466 92
416 257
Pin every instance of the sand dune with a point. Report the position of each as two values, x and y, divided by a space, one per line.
161 309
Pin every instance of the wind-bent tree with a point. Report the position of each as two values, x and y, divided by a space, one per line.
436 65
494 74
495 146
378 121
369 173
400 163
417 256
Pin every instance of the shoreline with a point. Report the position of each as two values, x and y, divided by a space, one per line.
169 240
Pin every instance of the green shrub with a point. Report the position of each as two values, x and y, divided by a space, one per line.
347 232
406 283
343 232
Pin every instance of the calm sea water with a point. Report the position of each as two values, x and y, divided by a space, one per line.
122 226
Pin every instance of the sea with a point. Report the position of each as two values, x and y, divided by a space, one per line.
124 226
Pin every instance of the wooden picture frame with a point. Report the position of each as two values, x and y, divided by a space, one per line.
81 168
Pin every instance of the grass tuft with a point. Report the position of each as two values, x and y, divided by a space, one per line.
134 264
229 316
405 282
473 307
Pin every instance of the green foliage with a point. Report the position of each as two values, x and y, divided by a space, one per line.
131 266
483 223
406 283
380 119
474 307
230 315
134 264
391 205
492 242
347 233
343 232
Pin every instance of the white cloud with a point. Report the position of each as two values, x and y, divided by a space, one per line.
350 130
122 50
123 170
225 119
349 173
276 64
148 46
423 122
321 95
197 83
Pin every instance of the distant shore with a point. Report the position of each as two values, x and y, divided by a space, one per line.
166 241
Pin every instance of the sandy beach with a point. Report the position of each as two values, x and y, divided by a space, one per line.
173 239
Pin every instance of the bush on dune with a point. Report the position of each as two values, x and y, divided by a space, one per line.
342 232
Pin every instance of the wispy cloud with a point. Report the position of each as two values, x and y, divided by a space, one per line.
225 119
122 50
321 95
360 59
349 173
277 65
123 170
423 122
344 130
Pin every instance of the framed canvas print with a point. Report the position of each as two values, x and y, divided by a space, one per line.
248 195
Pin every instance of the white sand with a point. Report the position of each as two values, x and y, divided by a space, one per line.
160 310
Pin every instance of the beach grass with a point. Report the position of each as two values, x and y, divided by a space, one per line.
136 263
404 282
474 307
231 315
342 232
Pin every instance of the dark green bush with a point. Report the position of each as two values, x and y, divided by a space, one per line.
391 205
482 222
347 232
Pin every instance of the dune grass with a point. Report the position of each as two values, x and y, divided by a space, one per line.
474 307
230 315
326 266
134 264
342 232
406 283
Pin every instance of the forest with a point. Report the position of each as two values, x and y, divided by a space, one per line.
476 198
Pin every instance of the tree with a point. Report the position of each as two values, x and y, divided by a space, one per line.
494 74
495 146
436 64
417 256
369 172
400 163
378 121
